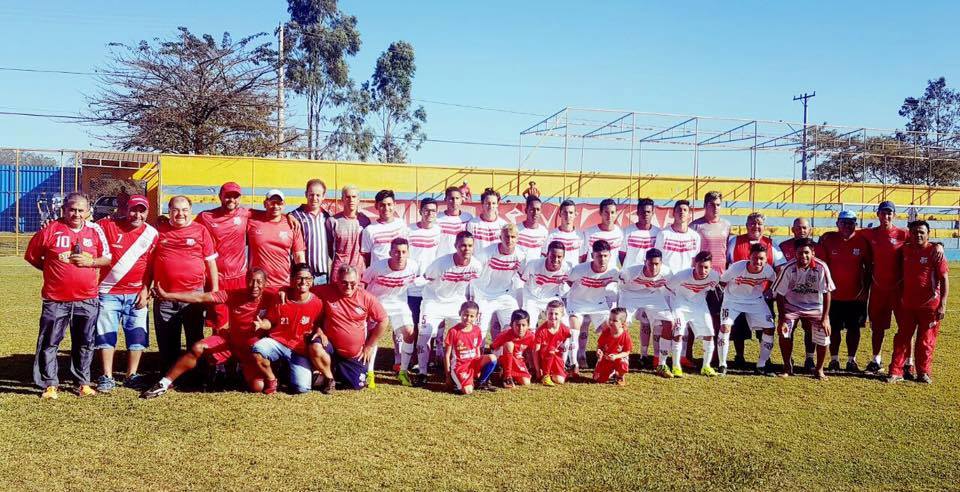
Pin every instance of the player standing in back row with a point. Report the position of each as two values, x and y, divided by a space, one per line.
486 227
452 221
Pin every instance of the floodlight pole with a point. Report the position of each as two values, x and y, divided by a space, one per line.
803 155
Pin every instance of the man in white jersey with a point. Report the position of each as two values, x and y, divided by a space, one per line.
425 237
447 280
388 281
744 284
607 230
690 287
545 279
640 237
376 238
678 243
452 221
531 238
587 301
567 234
486 226
496 289
643 292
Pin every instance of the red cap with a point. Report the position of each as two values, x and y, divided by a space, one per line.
135 200
230 186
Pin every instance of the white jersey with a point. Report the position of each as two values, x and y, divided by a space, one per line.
500 273
690 291
588 292
636 286
424 244
389 285
613 237
803 288
450 226
636 243
376 238
485 232
531 241
744 287
540 283
447 282
572 242
678 248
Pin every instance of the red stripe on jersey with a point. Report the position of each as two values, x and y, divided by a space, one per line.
750 281
640 242
652 284
498 264
595 283
697 288
546 279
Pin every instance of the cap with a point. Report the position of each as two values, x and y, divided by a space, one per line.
846 215
230 186
135 200
274 192
887 205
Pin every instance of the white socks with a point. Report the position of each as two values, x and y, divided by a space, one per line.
423 352
373 358
644 340
723 347
678 347
707 352
877 359
165 382
406 353
766 347
665 345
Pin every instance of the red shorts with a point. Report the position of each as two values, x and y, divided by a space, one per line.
880 307
552 364
466 371
605 368
221 349
514 367
218 315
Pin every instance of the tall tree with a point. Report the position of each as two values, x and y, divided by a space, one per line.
189 95
390 98
321 37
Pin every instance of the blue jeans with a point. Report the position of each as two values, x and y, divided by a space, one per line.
301 373
117 309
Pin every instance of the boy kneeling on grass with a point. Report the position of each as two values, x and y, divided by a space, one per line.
613 349
548 349
513 345
463 360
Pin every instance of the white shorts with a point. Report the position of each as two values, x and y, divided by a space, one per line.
649 309
697 317
758 315
598 318
534 307
816 325
399 315
499 308
432 313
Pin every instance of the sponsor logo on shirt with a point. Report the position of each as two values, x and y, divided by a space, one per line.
87 242
191 241
923 260
304 320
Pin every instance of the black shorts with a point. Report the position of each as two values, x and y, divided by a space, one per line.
848 315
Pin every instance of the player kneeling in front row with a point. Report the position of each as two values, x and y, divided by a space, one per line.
235 340
463 360
690 288
513 345
744 285
643 292
613 349
549 346
803 293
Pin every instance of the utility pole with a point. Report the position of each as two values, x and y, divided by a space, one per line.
803 155
280 102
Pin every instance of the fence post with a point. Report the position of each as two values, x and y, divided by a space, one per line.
16 206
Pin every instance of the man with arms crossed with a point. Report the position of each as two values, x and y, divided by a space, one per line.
312 221
544 280
567 234
344 230
452 221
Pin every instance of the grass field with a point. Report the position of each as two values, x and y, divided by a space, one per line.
739 432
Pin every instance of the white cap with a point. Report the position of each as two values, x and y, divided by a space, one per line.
275 192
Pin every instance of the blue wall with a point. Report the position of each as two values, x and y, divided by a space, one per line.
35 181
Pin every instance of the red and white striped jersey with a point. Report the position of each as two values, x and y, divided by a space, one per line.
589 288
531 240
692 291
447 281
376 238
131 249
450 226
635 285
614 237
540 283
636 243
501 272
678 248
389 285
743 286
571 245
424 246
485 232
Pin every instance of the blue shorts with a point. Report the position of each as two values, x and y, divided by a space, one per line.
117 309
348 371
301 374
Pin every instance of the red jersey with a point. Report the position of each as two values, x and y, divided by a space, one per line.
741 248
884 250
292 321
346 240
131 249
271 244
713 238
466 344
848 261
244 309
50 250
614 344
551 342
229 231
921 272
789 249
520 344
345 318
179 261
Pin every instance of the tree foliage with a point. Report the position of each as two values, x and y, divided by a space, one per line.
390 91
189 95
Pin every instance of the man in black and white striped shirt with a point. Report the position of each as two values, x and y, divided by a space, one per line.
312 219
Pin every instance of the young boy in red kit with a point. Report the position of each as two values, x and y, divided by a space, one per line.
514 344
613 349
548 349
463 359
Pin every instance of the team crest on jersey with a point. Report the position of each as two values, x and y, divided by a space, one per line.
191 241
87 242
923 260
856 251
358 310
236 221
284 235
894 241
304 320
262 313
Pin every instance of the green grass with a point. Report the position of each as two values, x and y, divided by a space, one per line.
740 432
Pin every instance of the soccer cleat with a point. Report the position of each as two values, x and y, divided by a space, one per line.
371 380
419 381
486 386
677 372
154 391
722 371
809 365
328 385
270 386
106 384
708 371
664 372
893 378
508 383
548 381
834 366
134 381
86 390
49 393
404 378
924 378
620 381
787 368
908 372
852 366
873 367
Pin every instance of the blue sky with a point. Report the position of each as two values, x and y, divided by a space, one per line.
743 59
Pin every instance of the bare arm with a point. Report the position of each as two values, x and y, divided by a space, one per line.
944 291
214 275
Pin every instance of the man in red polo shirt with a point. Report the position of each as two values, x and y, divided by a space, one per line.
273 242
923 303
227 225
343 346
69 251
847 254
184 259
